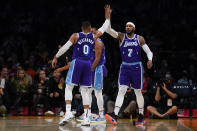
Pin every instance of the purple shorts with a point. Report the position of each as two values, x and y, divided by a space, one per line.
79 73
131 75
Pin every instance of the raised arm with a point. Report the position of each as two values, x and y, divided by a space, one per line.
64 48
106 24
147 51
98 51
115 34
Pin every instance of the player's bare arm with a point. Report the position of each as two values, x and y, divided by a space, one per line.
64 48
147 51
66 67
98 51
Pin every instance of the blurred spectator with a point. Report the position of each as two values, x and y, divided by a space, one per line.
41 92
4 99
30 64
21 85
56 91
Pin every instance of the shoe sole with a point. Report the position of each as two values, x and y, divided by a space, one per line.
85 125
79 120
140 124
92 121
64 122
110 119
101 122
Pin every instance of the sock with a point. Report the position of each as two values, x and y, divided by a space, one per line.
141 111
89 112
116 110
68 107
101 114
86 113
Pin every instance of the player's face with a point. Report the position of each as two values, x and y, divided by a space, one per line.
94 31
129 29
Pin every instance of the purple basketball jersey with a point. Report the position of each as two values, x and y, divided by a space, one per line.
130 49
102 60
80 69
84 46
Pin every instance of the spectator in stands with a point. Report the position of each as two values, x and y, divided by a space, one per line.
21 86
41 92
165 104
56 90
4 101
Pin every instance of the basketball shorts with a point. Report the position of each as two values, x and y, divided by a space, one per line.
131 75
79 73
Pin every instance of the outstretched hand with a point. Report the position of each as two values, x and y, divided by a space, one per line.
54 62
108 11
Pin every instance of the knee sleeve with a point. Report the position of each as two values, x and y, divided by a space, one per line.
68 92
122 90
85 96
120 97
139 98
99 97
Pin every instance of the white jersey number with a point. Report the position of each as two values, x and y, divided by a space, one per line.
130 52
86 49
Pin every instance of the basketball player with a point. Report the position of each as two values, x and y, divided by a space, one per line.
80 70
131 69
98 74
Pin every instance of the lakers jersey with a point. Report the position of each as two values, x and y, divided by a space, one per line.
130 49
84 46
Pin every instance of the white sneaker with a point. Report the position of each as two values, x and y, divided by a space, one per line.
86 121
49 113
68 116
61 113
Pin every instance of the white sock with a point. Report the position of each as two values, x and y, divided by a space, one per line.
86 113
89 112
140 101
116 110
68 107
101 114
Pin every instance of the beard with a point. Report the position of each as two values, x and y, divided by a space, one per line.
131 32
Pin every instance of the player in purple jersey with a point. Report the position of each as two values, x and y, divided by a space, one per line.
131 69
80 68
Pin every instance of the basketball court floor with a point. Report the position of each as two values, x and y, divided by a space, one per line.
34 123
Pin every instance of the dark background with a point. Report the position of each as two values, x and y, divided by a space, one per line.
35 28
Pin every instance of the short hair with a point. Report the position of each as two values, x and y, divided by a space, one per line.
85 24
95 28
